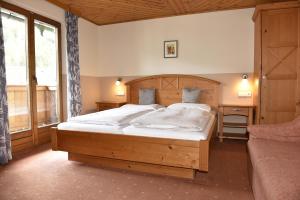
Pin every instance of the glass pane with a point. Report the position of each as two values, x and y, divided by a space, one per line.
47 73
15 43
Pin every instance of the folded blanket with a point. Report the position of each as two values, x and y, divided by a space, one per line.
166 118
113 117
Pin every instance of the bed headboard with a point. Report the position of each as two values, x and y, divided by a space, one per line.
169 87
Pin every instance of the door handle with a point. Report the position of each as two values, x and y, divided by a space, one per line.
34 80
298 103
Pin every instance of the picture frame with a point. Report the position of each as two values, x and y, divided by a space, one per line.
171 49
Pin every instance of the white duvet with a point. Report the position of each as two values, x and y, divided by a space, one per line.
189 119
114 117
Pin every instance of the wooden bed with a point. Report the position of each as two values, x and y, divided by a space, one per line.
173 157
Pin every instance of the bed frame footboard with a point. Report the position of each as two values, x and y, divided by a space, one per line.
173 157
133 166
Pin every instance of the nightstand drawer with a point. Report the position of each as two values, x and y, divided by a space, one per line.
236 111
108 105
105 107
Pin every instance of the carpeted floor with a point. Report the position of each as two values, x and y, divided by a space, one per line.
43 174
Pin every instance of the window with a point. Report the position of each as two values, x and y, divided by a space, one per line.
33 65
15 44
46 63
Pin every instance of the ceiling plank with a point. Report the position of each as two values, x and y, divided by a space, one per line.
103 12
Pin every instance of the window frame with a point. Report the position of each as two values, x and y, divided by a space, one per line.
31 17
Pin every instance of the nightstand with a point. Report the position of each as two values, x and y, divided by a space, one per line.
105 105
234 110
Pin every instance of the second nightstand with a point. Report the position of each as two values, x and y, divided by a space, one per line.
105 105
234 110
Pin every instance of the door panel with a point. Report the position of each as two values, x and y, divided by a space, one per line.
17 70
46 68
279 65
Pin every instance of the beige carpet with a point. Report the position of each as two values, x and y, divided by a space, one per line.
43 174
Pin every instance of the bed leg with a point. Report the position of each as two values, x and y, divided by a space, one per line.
54 144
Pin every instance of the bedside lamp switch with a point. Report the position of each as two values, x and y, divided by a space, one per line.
244 93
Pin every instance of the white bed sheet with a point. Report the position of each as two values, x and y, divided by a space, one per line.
108 121
171 134
115 116
72 126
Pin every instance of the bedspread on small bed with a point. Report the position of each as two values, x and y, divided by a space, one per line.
166 118
114 117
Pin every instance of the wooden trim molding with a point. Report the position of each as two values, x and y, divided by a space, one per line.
272 6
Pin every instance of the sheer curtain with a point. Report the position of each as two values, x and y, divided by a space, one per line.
74 93
5 143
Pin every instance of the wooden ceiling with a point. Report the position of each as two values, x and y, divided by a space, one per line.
103 12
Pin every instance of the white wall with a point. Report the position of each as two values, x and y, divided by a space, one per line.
88 48
210 44
216 42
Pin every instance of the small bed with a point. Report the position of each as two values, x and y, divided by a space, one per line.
145 150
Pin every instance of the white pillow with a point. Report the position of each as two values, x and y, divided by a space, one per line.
204 107
150 106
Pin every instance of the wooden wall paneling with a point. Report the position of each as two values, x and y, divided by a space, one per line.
45 134
22 144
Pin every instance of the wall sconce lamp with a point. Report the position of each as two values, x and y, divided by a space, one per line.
245 76
118 82
119 89
245 88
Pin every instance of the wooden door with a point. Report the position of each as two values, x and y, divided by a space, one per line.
279 90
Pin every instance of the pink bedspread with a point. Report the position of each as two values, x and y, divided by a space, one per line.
274 151
276 166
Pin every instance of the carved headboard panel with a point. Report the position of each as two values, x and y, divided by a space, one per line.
169 88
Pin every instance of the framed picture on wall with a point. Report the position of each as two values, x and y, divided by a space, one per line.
171 49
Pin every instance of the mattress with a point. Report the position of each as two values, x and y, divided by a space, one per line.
145 132
108 121
171 134
73 126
